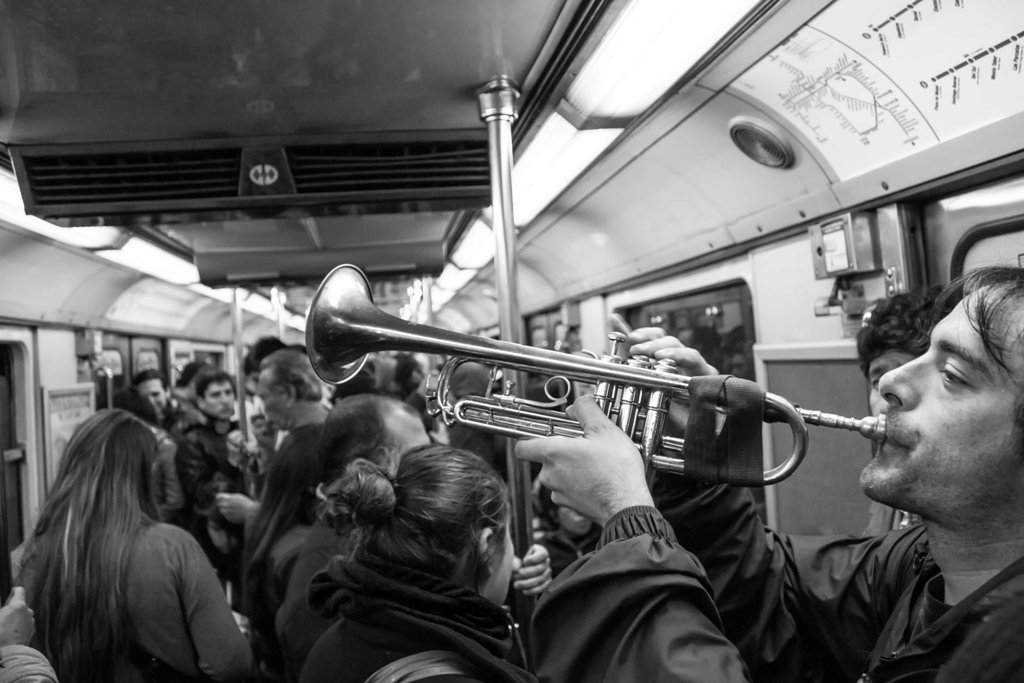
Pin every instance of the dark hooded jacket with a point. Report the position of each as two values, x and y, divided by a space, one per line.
386 612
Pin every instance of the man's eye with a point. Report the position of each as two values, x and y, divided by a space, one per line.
951 377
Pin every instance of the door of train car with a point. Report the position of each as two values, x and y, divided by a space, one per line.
10 475
112 368
146 353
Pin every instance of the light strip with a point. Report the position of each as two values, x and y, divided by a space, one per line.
476 248
555 157
152 260
648 48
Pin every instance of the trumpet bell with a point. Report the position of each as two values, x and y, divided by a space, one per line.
336 353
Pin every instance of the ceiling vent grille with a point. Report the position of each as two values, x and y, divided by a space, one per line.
761 141
132 177
421 170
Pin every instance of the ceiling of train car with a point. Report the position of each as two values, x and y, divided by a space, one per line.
872 98
366 110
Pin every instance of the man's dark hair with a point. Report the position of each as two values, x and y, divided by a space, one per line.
355 428
899 323
135 403
263 347
212 376
996 295
148 374
189 372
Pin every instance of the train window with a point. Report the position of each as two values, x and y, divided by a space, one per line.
719 323
548 331
147 359
212 358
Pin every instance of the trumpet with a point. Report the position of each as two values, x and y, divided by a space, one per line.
343 326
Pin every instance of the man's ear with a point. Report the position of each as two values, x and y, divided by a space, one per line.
483 543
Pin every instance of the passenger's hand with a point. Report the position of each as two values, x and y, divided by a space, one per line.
17 622
597 474
235 507
532 574
653 342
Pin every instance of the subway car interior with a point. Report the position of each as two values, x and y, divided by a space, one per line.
177 179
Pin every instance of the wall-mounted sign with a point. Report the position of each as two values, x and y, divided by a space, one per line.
64 408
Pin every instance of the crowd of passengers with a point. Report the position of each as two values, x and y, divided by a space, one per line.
353 540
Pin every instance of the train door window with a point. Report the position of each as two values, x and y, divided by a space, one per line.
717 322
10 477
146 353
213 358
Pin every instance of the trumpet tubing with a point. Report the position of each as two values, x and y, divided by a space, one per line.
343 326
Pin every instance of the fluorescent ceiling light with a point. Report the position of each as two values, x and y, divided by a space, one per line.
152 260
476 248
556 156
12 210
259 305
223 295
649 47
453 278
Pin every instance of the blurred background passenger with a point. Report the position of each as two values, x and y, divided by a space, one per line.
208 465
894 331
273 538
115 591
369 426
364 382
167 492
473 379
569 535
184 408
152 385
430 567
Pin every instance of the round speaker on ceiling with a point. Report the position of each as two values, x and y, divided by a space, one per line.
761 141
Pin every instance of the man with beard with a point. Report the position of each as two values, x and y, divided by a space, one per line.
787 608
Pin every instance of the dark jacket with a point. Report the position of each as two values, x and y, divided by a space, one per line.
797 608
391 612
205 470
297 626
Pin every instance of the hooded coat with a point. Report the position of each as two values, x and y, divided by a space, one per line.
386 612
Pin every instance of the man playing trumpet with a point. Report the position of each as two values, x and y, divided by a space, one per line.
887 608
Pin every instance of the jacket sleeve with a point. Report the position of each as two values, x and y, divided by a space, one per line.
222 651
637 609
23 664
170 497
795 606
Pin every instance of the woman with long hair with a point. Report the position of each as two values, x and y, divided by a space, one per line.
429 568
119 596
273 538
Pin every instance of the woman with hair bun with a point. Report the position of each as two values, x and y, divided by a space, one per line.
429 568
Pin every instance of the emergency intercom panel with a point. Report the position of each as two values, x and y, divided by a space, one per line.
845 245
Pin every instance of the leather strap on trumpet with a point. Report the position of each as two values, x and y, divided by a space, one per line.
723 435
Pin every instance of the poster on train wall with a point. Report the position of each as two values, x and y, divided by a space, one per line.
64 408
869 82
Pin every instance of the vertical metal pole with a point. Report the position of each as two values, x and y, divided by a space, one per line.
428 317
236 332
277 298
497 100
